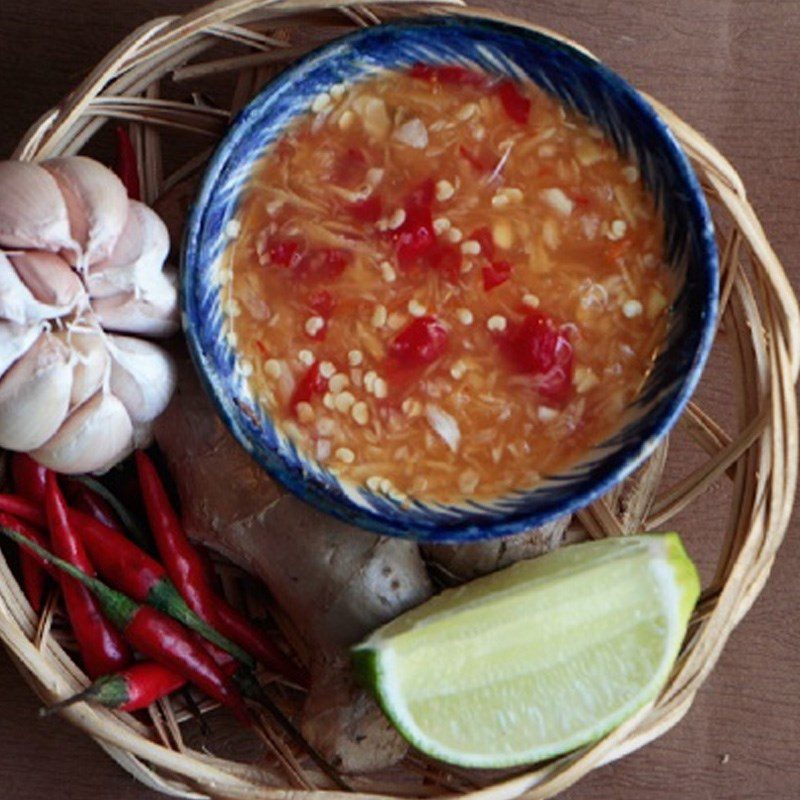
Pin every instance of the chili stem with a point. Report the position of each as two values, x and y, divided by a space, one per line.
132 525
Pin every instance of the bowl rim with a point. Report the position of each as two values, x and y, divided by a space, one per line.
501 524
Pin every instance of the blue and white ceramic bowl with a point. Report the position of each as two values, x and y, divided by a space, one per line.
580 83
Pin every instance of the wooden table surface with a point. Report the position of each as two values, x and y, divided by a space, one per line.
729 68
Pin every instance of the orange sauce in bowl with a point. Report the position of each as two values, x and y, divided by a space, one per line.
445 285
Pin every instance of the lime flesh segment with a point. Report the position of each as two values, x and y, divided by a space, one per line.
537 659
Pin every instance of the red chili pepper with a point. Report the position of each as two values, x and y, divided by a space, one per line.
102 648
310 385
128 568
127 167
29 479
84 499
151 632
130 690
515 104
182 562
451 74
539 347
368 210
421 342
496 273
33 569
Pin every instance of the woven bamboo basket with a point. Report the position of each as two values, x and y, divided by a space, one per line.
160 80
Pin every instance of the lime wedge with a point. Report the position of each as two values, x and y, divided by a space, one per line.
537 659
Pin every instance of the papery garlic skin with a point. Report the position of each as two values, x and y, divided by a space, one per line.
17 303
97 205
143 377
50 279
34 394
92 363
93 438
78 260
33 213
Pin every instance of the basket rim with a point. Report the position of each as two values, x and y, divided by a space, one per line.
766 474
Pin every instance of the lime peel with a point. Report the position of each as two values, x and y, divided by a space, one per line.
537 659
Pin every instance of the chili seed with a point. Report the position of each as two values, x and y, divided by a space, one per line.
321 101
631 174
471 248
327 370
273 368
546 414
246 367
344 402
345 455
631 308
415 308
360 412
355 357
346 120
440 225
444 190
465 316
387 272
306 357
455 235
530 300
379 316
338 383
328 401
496 323
305 412
233 228
314 325
380 389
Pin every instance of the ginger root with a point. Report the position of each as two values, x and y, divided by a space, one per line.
335 583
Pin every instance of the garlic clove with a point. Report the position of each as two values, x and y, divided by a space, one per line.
34 395
49 278
15 341
151 312
137 258
142 376
96 201
92 362
32 211
17 303
93 438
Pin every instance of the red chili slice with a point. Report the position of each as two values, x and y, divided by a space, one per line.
421 342
495 273
539 347
311 384
325 264
416 237
368 210
451 74
515 104
284 253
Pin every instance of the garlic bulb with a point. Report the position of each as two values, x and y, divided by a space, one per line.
78 259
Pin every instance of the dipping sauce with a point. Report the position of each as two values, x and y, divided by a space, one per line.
444 285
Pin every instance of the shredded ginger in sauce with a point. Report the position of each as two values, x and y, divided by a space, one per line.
445 285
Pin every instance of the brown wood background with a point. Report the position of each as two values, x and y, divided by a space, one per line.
730 68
